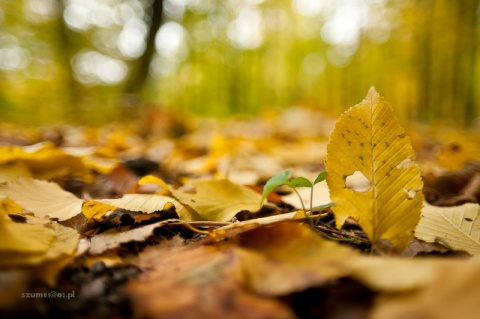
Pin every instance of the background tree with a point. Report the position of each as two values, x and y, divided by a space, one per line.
87 60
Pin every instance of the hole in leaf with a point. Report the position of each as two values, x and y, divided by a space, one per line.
406 163
410 193
357 182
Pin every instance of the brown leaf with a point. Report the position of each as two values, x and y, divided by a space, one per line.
195 282
452 188
454 293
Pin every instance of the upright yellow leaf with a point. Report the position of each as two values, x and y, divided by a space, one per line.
371 174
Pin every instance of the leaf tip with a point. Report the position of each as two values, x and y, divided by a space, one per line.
372 92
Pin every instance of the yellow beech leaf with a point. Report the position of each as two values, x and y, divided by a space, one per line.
26 240
45 161
150 179
42 198
371 174
8 206
143 203
12 171
219 200
455 227
94 209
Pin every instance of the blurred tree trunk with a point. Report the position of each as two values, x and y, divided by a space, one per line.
466 57
64 47
141 67
424 61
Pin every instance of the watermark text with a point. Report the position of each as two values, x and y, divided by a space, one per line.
51 294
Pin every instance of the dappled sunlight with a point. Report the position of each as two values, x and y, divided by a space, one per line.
242 56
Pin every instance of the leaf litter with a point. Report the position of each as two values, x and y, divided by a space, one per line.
140 224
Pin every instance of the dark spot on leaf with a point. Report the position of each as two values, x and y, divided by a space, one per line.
361 144
343 135
192 200
455 147
387 144
361 157
348 131
387 174
18 218
384 162
401 135
468 219
383 123
374 144
349 142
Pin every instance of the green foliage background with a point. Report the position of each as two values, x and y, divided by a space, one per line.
219 58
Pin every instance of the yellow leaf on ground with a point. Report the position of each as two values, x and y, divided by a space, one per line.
45 161
219 200
95 209
32 241
11 171
143 203
42 198
371 174
150 179
29 238
455 227
8 206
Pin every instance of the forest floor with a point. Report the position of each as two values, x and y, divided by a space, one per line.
163 218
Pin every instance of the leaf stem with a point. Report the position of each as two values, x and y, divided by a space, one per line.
307 216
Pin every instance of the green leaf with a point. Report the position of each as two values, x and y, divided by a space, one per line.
299 182
277 180
320 178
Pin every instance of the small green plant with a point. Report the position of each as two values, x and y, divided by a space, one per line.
284 178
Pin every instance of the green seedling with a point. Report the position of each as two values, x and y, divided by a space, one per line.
284 178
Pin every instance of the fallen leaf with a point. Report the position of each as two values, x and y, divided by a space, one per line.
417 247
93 209
113 238
45 161
42 198
453 188
453 293
11 171
371 174
455 227
198 283
144 203
272 260
34 242
219 200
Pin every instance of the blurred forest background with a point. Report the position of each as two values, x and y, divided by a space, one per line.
98 60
